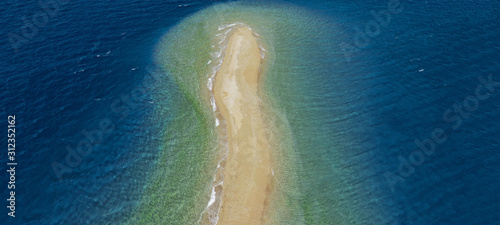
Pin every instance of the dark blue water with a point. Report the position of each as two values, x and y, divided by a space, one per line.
64 79
426 60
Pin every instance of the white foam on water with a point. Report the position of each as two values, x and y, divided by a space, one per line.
212 102
209 84
212 198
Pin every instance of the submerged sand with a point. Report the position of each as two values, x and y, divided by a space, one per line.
248 181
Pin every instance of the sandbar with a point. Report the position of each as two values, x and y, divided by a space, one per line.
248 177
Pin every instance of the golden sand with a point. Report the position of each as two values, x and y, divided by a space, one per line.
248 179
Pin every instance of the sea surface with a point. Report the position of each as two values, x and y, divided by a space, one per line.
114 123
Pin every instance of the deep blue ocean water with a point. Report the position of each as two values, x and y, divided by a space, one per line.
64 79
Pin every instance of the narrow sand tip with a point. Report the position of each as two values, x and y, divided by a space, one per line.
248 182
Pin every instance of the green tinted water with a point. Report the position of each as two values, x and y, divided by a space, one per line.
297 46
